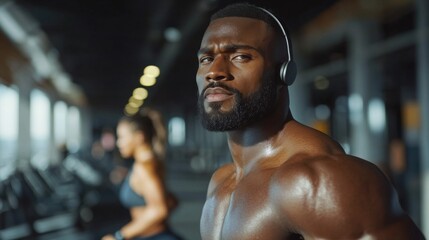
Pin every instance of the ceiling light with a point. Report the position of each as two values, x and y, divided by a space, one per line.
140 93
172 34
152 71
147 80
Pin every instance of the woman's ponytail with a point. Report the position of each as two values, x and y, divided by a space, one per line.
159 138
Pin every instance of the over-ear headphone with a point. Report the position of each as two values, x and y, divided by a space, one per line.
288 68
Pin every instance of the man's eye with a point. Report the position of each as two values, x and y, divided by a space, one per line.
206 59
241 57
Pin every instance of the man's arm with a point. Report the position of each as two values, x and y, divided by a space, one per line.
340 197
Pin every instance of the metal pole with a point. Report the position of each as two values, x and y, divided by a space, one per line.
422 47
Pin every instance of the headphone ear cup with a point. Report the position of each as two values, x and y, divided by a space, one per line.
288 72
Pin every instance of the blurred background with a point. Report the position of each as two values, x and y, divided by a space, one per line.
70 69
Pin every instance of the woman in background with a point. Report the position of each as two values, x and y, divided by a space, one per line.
142 137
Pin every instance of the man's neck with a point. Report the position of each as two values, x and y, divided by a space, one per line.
259 142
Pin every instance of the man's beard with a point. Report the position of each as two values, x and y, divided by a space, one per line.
245 110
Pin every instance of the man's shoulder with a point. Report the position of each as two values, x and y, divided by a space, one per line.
302 139
338 189
338 175
329 159
223 171
220 175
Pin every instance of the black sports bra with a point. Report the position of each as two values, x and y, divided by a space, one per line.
128 197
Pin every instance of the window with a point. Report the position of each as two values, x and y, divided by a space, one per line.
60 123
8 125
176 131
40 122
74 123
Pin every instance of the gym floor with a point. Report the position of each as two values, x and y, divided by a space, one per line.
107 215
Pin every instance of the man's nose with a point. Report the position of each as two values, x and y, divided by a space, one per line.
219 70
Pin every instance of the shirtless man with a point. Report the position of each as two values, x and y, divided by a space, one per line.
287 181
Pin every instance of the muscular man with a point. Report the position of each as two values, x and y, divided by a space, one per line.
287 181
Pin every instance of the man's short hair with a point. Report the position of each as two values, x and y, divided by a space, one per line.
246 10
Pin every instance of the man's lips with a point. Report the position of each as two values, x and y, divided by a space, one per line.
217 94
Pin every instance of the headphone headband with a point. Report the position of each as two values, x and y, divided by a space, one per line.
287 69
289 55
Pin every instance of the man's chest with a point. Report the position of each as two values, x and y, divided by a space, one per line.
241 210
